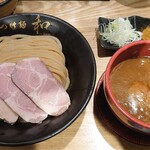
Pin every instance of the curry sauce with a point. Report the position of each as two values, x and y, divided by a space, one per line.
130 84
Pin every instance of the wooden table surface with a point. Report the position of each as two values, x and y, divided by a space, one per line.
87 132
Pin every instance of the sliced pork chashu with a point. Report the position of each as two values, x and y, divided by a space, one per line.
35 80
16 99
6 113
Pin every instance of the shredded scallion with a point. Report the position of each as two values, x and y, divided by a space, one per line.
120 32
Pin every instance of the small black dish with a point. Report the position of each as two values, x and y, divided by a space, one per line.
139 23
81 65
104 114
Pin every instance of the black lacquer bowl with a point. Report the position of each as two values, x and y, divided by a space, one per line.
82 72
139 24
7 7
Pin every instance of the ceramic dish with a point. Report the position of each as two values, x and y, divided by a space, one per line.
82 79
7 7
105 115
138 49
139 23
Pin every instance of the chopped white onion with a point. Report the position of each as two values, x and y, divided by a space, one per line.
120 32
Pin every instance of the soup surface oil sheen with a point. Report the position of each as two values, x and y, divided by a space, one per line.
130 84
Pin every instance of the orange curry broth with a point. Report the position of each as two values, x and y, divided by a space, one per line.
130 83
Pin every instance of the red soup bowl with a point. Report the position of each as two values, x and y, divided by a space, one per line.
132 50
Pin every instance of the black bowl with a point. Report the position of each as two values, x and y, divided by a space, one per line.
7 7
138 23
82 72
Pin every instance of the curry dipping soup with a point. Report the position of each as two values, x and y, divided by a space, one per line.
130 84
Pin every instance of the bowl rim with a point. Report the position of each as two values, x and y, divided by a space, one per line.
4 2
107 83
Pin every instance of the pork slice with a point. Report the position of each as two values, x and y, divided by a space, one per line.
34 79
6 113
16 99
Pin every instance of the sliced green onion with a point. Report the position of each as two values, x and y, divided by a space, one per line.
120 32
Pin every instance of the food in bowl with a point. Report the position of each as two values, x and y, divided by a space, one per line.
38 88
130 84
119 32
133 82
47 48
82 79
